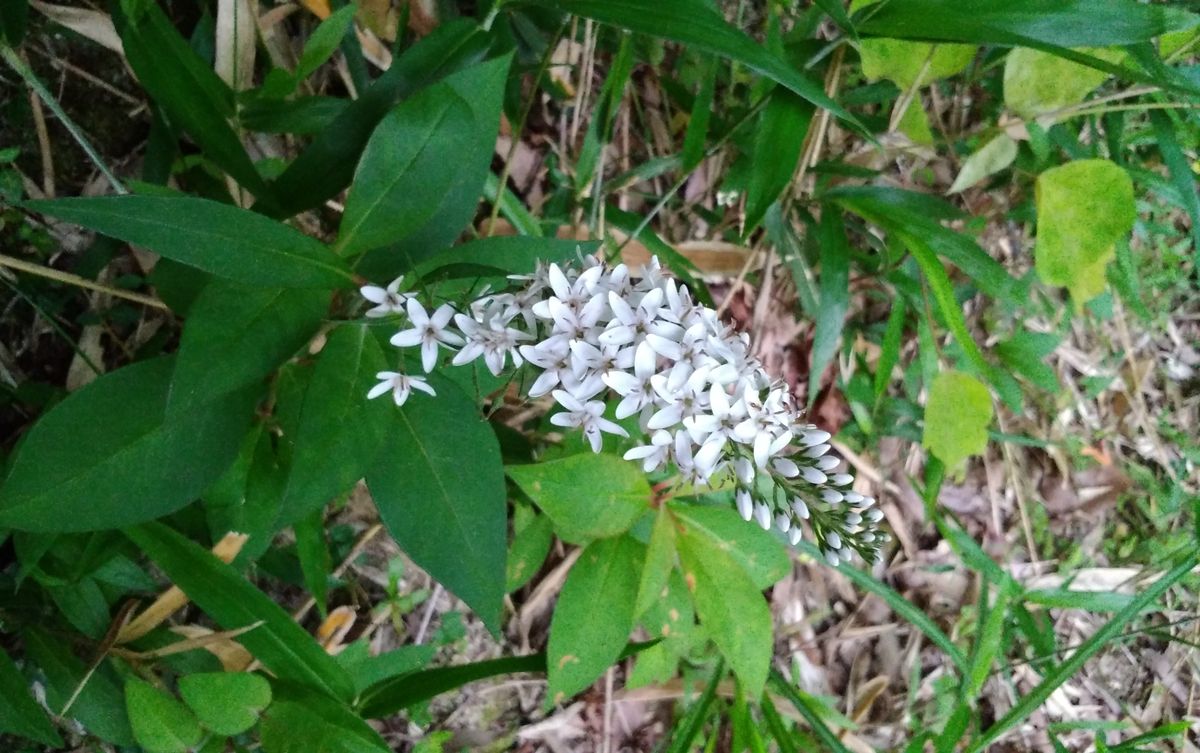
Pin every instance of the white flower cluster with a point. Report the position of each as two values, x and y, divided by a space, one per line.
705 403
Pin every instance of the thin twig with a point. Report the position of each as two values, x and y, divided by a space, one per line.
82 282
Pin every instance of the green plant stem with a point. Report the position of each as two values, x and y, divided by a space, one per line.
25 72
1060 674
710 151
543 66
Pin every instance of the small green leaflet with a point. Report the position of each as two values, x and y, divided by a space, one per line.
957 413
587 495
227 703
160 723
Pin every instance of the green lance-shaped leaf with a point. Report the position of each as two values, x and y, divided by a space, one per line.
594 614
236 335
303 721
530 545
403 177
285 648
323 42
97 699
700 26
19 713
1083 209
730 606
777 145
160 723
660 561
439 487
186 88
499 256
228 703
327 166
223 240
339 431
835 297
110 456
403 195
1037 83
588 496
1030 23
957 413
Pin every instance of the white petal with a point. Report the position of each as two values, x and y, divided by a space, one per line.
379 389
558 282
645 360
373 293
416 313
442 316
605 425
566 419
622 312
666 418
545 382
620 382
568 401
745 506
422 385
664 347
406 338
813 476
594 438
429 352
762 514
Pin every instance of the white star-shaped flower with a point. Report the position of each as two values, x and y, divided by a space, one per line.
387 300
427 331
587 415
400 385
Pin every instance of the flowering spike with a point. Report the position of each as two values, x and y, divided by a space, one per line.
707 404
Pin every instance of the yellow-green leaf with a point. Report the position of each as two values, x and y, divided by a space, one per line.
957 413
1036 82
989 159
1083 209
903 62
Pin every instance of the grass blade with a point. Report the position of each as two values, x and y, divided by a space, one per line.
1063 672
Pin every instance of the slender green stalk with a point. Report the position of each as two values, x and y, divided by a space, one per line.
25 72
1063 672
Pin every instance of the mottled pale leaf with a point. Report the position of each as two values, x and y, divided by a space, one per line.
989 159
1036 82
903 62
1083 209
957 413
